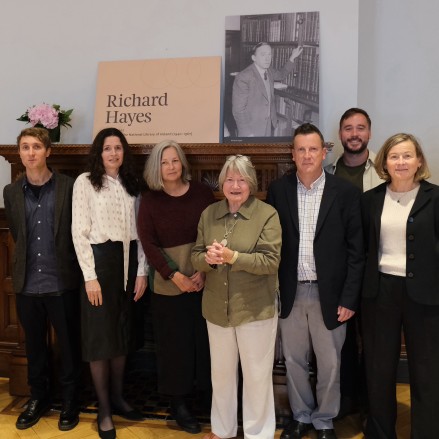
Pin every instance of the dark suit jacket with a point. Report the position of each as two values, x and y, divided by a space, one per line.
250 104
68 268
338 245
422 241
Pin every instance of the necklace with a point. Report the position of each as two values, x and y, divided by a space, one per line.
403 197
227 232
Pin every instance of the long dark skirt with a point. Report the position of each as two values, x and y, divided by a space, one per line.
107 330
182 344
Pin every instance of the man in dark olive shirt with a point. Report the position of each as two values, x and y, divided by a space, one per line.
45 276
356 165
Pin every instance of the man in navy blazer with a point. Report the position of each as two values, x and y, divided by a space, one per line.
253 103
320 275
45 276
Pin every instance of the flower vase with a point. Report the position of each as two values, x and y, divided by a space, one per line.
55 134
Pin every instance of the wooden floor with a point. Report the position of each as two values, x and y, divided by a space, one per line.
47 427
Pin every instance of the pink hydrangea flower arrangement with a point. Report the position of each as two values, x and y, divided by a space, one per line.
43 114
47 116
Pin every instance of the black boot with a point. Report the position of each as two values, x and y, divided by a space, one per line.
69 416
183 416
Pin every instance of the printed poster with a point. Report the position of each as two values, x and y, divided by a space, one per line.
154 100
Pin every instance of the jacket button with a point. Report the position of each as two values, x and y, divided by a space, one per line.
411 219
411 237
410 275
411 256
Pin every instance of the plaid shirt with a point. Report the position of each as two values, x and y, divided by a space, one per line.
308 203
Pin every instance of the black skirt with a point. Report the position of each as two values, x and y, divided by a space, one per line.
107 330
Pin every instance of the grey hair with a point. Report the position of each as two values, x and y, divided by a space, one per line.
153 166
243 166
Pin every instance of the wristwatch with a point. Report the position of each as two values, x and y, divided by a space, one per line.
172 274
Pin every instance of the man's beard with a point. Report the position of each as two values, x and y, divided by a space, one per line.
355 151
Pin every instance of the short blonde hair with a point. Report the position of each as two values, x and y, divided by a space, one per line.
153 166
243 166
380 161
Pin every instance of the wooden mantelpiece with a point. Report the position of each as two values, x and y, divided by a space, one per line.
206 160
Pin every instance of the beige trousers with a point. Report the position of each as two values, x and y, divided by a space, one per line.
252 344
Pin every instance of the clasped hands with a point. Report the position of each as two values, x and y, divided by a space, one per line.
217 254
189 284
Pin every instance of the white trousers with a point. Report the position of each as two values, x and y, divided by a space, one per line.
253 344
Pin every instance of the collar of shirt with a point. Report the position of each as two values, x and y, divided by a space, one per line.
112 179
25 182
369 161
261 71
314 185
245 211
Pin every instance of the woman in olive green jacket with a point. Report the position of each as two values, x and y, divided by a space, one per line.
238 247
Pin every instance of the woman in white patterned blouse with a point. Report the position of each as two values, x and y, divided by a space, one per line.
114 269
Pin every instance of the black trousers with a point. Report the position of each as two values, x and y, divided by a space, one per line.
182 344
349 369
352 373
62 312
382 318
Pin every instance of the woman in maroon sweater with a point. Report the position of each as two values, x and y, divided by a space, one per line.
167 226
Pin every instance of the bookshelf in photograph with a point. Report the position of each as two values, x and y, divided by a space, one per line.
297 97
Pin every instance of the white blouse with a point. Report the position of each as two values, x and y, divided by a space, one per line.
99 216
392 251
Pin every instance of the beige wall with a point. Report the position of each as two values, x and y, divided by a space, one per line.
398 71
50 50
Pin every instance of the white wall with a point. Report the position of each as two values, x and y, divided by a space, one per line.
49 51
398 82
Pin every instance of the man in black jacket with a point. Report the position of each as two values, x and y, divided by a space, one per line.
320 277
45 275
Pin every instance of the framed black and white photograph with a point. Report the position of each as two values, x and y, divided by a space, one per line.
271 76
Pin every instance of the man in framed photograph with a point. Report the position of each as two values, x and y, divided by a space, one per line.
253 102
